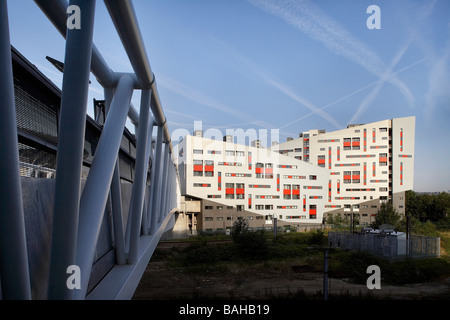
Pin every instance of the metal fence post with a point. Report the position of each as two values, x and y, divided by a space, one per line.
95 193
15 278
70 149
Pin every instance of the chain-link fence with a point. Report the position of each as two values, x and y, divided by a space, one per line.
391 245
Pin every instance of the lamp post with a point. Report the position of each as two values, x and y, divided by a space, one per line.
274 225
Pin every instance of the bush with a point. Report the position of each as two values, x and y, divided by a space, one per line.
253 245
317 238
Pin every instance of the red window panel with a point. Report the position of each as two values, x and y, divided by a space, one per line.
356 177
312 211
198 167
229 191
383 159
240 191
269 170
365 139
401 173
347 177
365 171
347 144
209 168
355 144
286 191
401 139
321 161
296 191
258 170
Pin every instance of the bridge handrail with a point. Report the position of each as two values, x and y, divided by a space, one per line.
78 215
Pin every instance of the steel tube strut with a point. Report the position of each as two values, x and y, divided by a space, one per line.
147 157
95 193
155 183
55 10
70 150
164 183
14 271
116 197
138 191
124 18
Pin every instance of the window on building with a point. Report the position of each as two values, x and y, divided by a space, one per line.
229 152
355 143
356 177
347 176
347 144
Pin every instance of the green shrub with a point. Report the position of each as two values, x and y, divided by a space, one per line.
253 246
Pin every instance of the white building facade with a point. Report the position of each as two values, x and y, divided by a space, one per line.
302 181
256 183
369 164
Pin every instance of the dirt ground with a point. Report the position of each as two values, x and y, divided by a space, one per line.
269 282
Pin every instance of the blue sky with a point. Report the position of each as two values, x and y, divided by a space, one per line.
278 64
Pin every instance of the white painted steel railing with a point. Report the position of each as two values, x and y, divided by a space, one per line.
77 215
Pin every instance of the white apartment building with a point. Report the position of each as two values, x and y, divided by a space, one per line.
255 183
368 164
350 172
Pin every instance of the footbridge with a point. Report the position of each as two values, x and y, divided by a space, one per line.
91 243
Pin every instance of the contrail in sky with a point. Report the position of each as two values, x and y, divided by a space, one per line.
309 19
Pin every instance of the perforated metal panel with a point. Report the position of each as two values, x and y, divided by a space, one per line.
35 117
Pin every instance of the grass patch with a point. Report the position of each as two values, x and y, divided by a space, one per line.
298 249
353 265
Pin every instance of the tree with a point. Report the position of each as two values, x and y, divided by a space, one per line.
239 229
386 215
